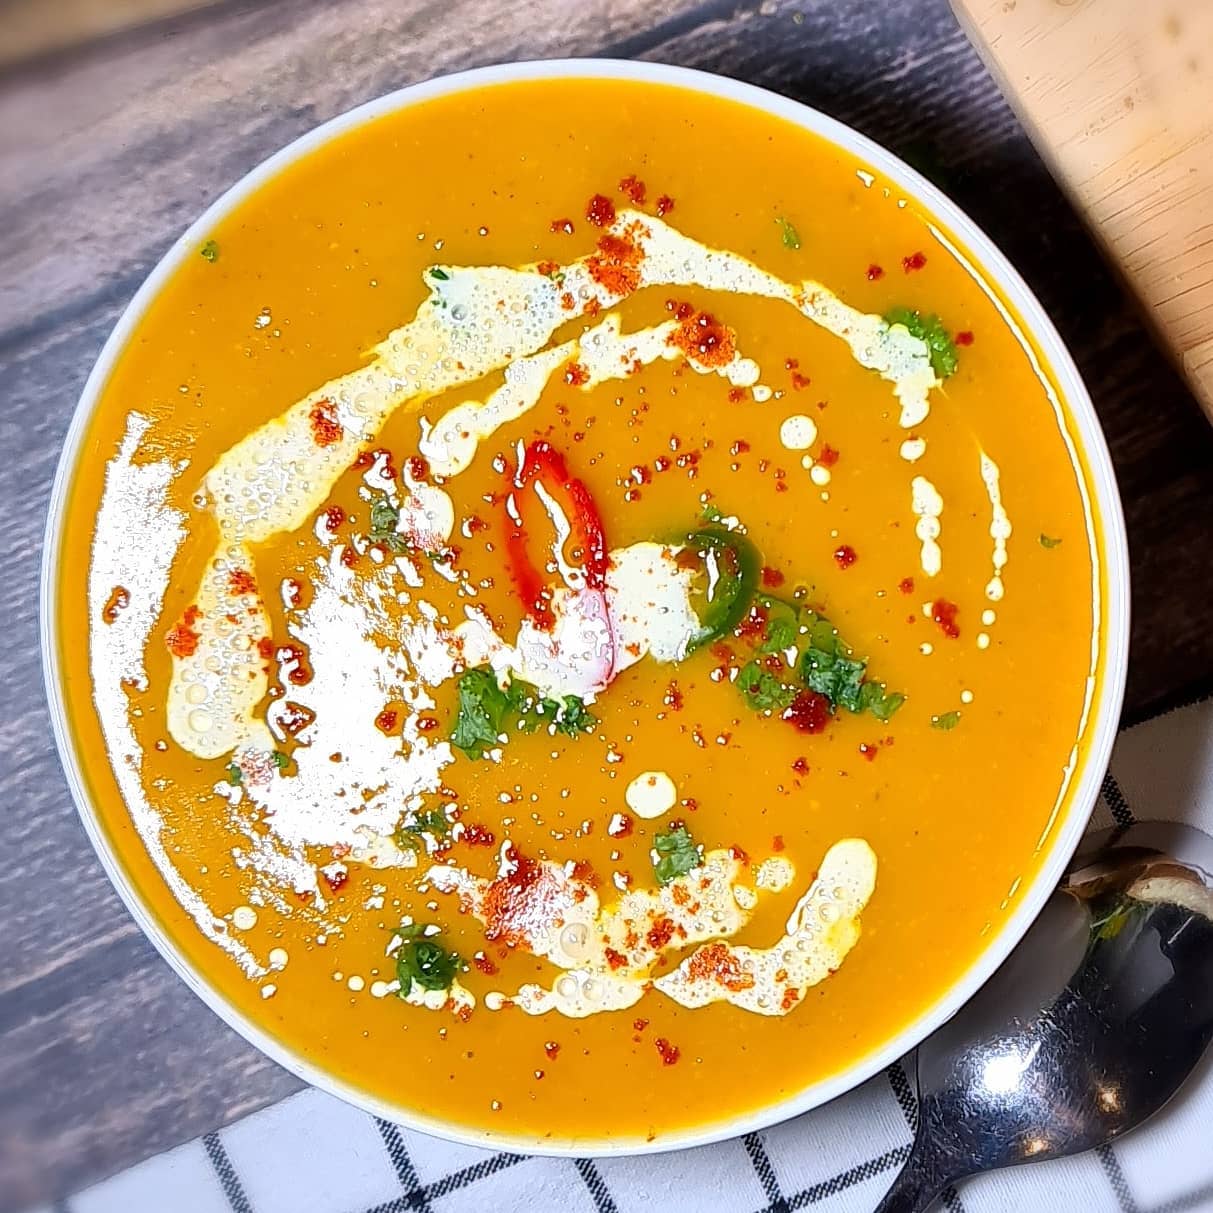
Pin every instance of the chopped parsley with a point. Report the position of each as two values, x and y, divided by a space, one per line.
439 274
281 760
801 649
384 519
945 720
929 329
677 854
762 690
1111 922
209 251
711 513
235 776
424 961
789 235
485 709
1047 541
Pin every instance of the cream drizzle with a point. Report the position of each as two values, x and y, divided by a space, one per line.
822 929
1000 526
927 505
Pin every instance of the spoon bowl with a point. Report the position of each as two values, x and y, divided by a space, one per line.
1092 1024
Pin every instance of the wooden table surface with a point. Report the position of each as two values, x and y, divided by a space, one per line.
108 150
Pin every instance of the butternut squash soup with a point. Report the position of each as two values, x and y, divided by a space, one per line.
579 608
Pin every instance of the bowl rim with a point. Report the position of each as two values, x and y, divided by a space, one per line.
1105 507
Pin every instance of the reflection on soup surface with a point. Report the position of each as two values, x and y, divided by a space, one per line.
588 601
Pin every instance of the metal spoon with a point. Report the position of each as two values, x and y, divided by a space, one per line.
1091 1025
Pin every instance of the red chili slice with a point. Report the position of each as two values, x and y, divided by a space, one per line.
543 465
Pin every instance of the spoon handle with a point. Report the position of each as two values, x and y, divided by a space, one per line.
916 1186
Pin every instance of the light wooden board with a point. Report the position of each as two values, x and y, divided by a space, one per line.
1118 97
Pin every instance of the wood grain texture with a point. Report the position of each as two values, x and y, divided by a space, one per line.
1118 96
105 1058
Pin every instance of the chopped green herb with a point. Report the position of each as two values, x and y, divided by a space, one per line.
929 329
440 275
677 854
785 622
711 513
882 703
424 961
384 519
1048 542
946 720
430 821
209 251
791 237
827 669
281 760
483 707
762 691
235 776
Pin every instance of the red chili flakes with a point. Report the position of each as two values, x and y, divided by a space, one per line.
418 468
665 204
427 724
681 311
562 226
548 268
906 585
484 964
669 1053
963 338
336 879
799 381
551 1048
868 751
387 720
739 447
717 962
800 766
660 933
576 375
616 960
118 600
771 578
874 272
600 211
478 836
334 516
777 843
790 996
585 873
326 429
944 613
672 697
475 524
753 625
241 581
702 337
639 1025
915 261
737 395
363 460
181 639
739 853
845 556
525 896
809 712
828 456
633 187
615 265
567 302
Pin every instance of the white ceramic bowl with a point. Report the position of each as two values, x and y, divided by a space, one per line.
1105 709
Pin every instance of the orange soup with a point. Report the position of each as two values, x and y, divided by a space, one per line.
587 595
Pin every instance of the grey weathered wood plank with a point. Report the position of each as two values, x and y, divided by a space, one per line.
106 155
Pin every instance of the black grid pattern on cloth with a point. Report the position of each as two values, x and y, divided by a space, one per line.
233 1189
417 1196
